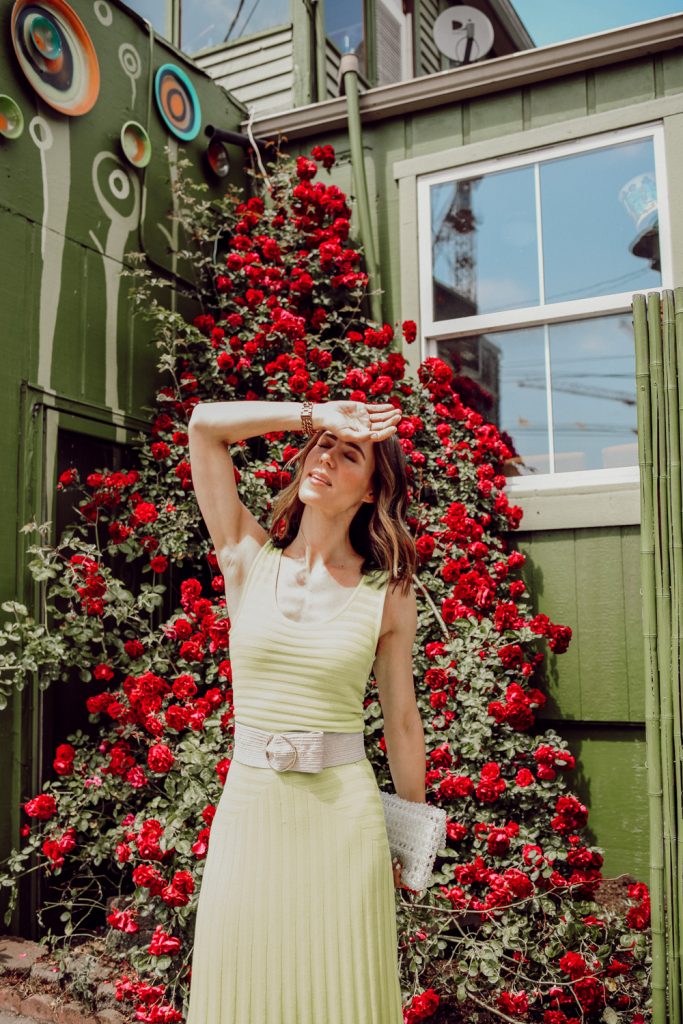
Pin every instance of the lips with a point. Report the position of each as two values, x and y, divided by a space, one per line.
318 476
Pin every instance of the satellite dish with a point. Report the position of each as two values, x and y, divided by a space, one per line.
463 34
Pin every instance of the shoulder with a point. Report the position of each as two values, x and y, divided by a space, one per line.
400 609
236 562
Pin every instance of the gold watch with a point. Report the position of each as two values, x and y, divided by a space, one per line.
307 418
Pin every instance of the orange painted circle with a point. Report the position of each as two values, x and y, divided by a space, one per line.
83 94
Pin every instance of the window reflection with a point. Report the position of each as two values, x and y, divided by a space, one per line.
504 378
598 232
484 246
345 27
590 365
599 221
206 23
344 24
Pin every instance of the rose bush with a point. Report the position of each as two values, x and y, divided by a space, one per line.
125 823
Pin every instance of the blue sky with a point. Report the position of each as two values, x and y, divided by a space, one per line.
550 21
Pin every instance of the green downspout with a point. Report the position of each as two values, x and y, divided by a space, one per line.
348 73
320 42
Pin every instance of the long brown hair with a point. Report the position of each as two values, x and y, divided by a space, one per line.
378 530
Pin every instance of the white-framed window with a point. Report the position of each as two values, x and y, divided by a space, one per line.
528 265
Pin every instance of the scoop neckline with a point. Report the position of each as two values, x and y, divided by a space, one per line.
318 622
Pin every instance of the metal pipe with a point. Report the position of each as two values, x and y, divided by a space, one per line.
320 42
348 72
235 137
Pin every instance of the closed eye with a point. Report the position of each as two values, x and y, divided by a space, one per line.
348 456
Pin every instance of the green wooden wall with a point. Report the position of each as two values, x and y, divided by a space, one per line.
589 579
72 356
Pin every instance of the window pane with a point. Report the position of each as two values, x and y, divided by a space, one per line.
506 383
599 222
207 23
484 248
344 24
156 11
592 366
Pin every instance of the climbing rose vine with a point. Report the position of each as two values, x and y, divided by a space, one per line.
134 605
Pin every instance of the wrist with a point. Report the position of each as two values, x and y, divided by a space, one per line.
311 422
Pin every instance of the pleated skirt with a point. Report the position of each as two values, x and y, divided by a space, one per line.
296 916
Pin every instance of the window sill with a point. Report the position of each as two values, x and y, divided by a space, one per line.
565 501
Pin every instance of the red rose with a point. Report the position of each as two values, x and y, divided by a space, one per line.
409 328
160 758
43 806
134 649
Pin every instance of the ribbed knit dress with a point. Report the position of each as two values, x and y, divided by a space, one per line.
296 919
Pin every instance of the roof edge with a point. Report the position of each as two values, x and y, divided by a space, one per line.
489 76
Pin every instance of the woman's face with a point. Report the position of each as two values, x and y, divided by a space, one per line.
338 472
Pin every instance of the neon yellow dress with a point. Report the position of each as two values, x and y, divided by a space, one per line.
296 920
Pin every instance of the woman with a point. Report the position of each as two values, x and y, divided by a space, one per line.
296 920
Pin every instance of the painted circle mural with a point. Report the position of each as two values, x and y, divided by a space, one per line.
135 144
11 118
56 54
177 101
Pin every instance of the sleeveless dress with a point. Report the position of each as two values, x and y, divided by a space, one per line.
296 918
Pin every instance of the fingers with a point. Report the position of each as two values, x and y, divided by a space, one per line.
384 424
380 435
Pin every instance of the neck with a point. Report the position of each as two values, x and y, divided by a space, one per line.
314 543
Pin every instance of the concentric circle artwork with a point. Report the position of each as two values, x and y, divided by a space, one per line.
11 118
56 54
177 101
135 144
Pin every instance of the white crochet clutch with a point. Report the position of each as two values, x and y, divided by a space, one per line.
415 831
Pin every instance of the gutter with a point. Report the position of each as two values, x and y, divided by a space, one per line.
483 78
348 77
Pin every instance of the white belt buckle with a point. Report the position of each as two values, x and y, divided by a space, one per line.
284 750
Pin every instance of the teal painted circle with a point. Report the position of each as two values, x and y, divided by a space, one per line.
45 37
177 101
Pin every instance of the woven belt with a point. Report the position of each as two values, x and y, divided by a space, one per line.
296 751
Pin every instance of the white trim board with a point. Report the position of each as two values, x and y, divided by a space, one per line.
577 508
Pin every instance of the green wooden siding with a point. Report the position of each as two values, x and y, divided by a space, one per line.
589 579
68 328
610 778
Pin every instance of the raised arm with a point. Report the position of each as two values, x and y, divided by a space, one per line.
213 427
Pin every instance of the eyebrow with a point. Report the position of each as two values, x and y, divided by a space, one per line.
351 444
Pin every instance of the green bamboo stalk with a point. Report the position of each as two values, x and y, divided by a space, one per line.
678 697
667 697
662 593
649 613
